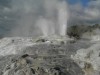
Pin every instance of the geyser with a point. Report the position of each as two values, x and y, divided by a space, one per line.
62 18
47 18
57 27
46 26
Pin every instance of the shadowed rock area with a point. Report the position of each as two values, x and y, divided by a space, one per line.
42 65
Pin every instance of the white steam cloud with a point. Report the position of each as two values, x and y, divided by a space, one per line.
40 17
45 17
62 18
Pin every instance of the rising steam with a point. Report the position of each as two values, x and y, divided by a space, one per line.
40 17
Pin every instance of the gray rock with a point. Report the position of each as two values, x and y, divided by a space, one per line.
26 66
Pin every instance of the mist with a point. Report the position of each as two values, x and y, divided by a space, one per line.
40 18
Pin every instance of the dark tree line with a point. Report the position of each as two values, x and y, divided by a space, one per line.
77 31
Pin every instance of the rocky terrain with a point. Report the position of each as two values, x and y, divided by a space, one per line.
48 56
42 65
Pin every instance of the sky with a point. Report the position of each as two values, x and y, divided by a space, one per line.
83 2
21 15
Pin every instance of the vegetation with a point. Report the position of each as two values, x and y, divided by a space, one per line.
76 31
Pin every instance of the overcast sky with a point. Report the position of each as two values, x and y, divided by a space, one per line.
17 14
85 11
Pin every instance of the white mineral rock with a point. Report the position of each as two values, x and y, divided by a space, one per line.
90 55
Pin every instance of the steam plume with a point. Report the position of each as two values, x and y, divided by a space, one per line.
40 17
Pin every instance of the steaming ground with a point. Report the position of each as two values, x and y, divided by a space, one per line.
16 45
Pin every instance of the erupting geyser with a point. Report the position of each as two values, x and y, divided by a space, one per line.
47 18
62 18
48 25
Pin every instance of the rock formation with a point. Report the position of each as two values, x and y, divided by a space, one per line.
28 65
41 56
